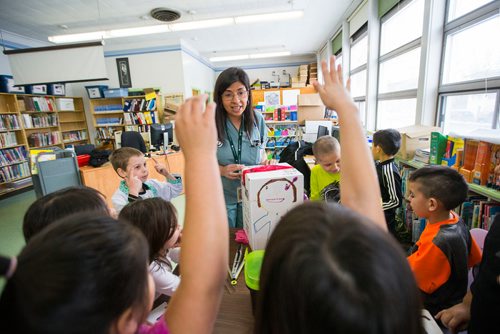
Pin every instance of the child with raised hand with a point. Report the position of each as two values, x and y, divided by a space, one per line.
130 164
325 176
89 274
157 219
349 275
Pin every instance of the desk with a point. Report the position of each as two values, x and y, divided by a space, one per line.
310 161
106 180
235 313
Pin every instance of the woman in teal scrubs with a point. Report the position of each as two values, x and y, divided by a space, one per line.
242 135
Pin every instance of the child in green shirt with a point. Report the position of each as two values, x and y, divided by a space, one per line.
325 176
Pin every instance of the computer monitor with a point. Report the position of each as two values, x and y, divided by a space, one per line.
160 132
322 131
336 132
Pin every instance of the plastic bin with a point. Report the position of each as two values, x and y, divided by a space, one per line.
83 160
253 263
116 92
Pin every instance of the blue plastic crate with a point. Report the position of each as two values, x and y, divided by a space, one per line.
96 92
56 89
116 92
7 85
36 89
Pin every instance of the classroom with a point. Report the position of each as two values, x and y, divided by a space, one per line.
81 80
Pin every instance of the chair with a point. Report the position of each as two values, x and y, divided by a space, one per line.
479 235
133 139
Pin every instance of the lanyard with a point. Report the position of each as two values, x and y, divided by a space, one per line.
237 157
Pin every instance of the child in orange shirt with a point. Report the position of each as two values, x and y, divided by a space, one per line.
441 257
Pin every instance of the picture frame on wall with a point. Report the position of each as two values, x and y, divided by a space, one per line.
123 72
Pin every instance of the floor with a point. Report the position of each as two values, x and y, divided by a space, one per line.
12 210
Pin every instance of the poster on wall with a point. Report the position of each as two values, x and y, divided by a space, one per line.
123 72
272 98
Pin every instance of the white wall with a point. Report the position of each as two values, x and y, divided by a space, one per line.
196 75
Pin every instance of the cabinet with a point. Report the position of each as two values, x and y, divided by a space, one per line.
33 122
131 113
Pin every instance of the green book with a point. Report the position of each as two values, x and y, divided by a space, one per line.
438 147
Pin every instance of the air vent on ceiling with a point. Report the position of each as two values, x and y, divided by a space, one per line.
165 14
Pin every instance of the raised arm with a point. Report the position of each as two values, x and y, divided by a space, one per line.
204 256
359 189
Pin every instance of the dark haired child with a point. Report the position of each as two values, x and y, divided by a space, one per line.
445 250
385 145
325 176
51 207
89 274
130 164
157 219
333 269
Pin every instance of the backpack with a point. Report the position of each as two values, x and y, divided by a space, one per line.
99 157
293 154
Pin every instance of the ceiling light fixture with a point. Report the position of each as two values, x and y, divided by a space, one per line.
181 26
250 56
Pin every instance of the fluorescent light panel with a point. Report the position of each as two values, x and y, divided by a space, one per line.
251 56
161 28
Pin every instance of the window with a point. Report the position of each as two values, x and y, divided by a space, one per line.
400 73
469 91
396 113
359 52
358 84
459 8
403 27
362 110
471 53
463 112
338 60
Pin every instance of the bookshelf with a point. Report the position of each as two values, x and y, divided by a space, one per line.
131 113
33 122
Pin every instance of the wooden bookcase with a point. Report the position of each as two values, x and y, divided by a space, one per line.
34 122
113 115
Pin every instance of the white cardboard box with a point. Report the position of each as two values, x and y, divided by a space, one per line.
65 104
267 196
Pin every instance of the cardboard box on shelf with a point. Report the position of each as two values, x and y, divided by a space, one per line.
310 107
413 137
268 192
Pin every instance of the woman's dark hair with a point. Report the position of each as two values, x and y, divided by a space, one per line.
59 204
156 218
78 275
226 79
327 269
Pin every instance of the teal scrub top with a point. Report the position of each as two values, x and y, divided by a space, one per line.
251 153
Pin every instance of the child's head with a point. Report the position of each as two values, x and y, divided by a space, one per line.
435 189
329 270
326 150
386 142
157 219
82 274
59 204
127 158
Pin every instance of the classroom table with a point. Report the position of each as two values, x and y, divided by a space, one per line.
235 313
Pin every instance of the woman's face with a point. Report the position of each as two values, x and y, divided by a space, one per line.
235 99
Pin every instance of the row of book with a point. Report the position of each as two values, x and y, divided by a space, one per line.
76 135
137 128
478 212
8 139
13 172
43 139
36 103
9 122
474 159
146 117
109 121
13 155
105 133
13 185
39 121
108 108
139 105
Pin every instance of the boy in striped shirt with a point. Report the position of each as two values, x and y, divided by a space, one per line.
385 145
